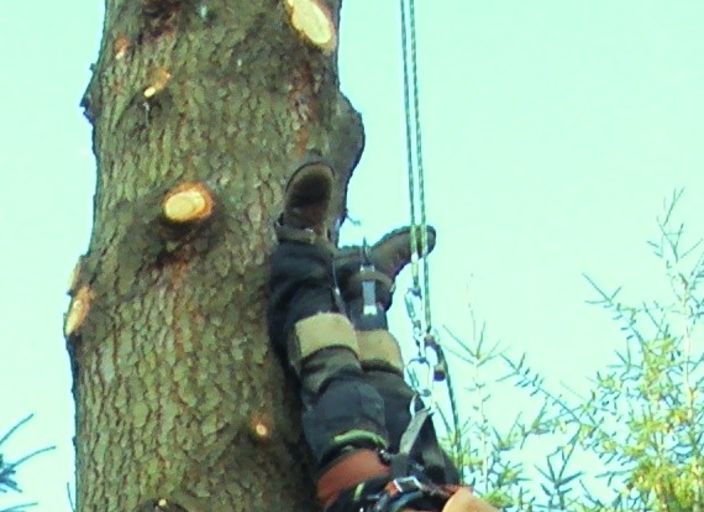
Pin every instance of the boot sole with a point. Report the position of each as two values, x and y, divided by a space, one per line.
307 198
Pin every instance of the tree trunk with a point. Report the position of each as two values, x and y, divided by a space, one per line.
200 111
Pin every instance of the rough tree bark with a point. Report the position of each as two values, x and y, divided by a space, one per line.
200 109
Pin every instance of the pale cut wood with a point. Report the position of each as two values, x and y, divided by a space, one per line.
312 19
78 311
189 202
261 427
121 47
159 80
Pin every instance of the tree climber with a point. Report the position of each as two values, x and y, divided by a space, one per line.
371 453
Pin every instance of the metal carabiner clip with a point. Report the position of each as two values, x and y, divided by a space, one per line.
423 387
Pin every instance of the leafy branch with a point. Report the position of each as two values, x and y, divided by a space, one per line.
642 422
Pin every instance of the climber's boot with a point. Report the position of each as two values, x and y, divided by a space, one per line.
306 212
393 252
380 264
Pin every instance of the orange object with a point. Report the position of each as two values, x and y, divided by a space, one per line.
464 501
350 470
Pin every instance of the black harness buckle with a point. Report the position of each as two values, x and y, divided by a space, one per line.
402 491
404 485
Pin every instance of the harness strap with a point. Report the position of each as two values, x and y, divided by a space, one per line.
400 492
370 274
410 436
431 459
352 469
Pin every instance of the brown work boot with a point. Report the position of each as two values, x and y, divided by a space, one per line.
393 251
388 256
305 214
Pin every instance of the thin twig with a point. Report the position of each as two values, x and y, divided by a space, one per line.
14 429
31 455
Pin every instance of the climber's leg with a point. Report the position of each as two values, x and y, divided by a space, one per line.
424 478
342 411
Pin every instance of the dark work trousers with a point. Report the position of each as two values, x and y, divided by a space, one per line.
344 404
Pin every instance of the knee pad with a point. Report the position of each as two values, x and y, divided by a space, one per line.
379 350
326 365
320 332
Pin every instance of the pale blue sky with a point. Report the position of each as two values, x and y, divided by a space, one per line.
553 131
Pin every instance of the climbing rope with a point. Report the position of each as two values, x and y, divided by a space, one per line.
423 331
414 147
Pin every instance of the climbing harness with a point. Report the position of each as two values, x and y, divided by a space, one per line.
419 294
400 492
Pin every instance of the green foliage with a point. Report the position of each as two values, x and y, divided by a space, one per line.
642 423
8 469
